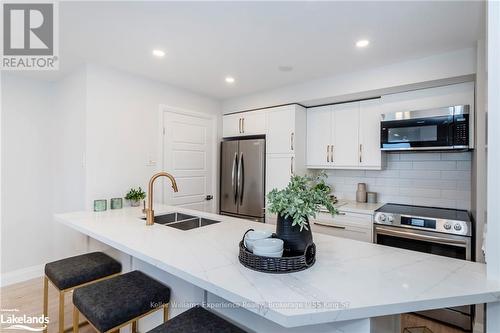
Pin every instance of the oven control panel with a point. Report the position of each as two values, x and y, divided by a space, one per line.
424 223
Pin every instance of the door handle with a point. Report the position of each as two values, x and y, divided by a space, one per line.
328 153
239 125
242 125
360 153
332 155
291 141
291 165
209 197
241 178
234 184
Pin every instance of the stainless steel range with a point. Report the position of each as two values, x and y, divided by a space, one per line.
445 232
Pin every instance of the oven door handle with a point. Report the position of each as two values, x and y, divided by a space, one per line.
410 235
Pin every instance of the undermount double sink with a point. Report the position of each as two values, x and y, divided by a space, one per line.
182 221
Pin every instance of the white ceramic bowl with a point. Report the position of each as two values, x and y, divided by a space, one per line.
268 245
268 254
255 235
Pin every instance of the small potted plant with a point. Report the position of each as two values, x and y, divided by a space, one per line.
135 196
300 200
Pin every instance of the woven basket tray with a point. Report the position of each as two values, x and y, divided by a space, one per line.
277 265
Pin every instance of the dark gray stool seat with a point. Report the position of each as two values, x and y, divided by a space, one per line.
118 300
74 271
196 320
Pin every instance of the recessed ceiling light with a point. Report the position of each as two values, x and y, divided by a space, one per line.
285 68
362 43
159 53
229 79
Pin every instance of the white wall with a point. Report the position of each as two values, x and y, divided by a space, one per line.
66 143
68 169
364 83
122 128
27 179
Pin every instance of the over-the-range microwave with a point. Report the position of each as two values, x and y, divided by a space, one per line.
447 128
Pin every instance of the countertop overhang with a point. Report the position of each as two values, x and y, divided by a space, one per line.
350 279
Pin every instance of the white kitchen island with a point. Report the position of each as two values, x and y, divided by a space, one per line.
350 282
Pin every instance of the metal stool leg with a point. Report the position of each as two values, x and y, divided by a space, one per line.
61 312
45 298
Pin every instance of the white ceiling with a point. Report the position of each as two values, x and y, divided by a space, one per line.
205 41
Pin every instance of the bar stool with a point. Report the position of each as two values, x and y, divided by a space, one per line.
195 320
119 301
70 273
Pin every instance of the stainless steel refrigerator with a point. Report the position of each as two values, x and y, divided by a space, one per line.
242 177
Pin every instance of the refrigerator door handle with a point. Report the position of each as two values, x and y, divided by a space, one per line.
233 178
241 178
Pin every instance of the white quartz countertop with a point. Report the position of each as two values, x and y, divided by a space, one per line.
357 207
350 280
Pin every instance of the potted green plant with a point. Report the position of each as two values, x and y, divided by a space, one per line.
294 205
135 196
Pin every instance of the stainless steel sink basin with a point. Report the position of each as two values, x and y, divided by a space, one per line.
171 218
182 221
192 223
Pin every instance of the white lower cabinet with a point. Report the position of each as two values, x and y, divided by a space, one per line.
346 225
279 169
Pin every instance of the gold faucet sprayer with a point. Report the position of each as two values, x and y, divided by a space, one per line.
150 216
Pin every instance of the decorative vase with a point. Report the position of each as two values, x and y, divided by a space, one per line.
135 203
295 240
361 193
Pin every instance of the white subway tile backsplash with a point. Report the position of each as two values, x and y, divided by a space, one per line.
456 175
422 178
420 174
420 156
388 173
399 165
420 192
435 165
464 165
456 194
392 156
461 156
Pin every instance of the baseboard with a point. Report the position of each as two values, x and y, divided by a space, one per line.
21 275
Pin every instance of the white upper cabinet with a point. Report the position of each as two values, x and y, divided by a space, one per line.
231 125
253 122
281 130
370 112
244 123
344 136
319 136
344 150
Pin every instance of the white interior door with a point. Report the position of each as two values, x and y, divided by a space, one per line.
188 152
